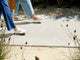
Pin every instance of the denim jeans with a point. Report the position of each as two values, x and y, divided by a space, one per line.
5 10
26 6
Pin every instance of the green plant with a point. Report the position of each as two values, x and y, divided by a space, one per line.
4 48
41 3
66 3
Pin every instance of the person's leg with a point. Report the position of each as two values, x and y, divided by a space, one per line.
15 11
7 15
8 18
27 8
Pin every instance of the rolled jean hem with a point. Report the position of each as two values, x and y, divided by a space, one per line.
11 28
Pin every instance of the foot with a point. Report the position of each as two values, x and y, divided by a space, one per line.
36 19
16 19
20 31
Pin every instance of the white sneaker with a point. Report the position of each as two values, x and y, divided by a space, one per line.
20 31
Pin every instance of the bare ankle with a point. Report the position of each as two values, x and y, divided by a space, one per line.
33 16
14 16
15 29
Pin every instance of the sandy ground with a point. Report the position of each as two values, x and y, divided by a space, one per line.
43 53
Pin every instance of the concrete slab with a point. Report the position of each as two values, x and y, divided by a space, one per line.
51 32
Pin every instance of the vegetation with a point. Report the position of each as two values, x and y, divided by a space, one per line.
60 3
4 48
40 3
